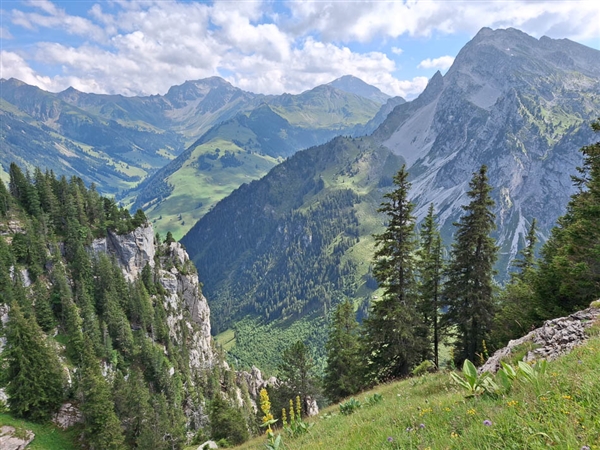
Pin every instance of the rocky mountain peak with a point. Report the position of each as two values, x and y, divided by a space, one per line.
354 85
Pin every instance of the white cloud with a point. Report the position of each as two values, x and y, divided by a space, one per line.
5 34
144 47
13 66
365 20
442 63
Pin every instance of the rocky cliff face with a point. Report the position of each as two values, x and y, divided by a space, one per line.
520 105
184 302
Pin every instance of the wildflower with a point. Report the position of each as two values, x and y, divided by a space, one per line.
409 429
471 412
265 406
512 403
585 447
487 422
390 439
567 397
453 435
447 409
422 426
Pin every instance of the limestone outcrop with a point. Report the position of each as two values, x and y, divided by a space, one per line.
553 339
12 439
183 299
132 250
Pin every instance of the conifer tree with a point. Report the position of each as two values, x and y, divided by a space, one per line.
393 332
132 404
6 262
34 374
4 199
469 285
342 375
102 429
430 268
296 372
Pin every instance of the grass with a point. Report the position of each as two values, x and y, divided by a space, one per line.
226 339
196 190
47 436
430 412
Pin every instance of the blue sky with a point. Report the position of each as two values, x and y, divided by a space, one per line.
144 47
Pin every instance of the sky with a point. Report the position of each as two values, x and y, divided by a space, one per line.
144 47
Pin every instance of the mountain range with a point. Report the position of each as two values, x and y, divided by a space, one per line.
118 142
287 247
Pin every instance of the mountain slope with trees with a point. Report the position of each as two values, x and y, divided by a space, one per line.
101 314
525 122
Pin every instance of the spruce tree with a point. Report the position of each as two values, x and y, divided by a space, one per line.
296 372
34 374
4 199
393 332
469 286
430 267
102 429
342 375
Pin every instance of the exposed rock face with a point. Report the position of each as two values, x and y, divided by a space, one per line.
519 105
10 439
133 250
136 249
254 381
67 416
4 309
556 337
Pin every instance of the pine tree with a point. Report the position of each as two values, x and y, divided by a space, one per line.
430 268
393 333
342 375
469 286
34 374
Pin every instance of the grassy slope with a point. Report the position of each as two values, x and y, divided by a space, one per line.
47 437
196 190
565 414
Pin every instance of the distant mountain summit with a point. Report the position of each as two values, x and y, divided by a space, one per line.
354 85
520 105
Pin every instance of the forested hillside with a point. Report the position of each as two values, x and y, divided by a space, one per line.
104 318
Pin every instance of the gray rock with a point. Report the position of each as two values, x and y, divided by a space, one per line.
553 339
208 445
8 440
133 250
67 416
